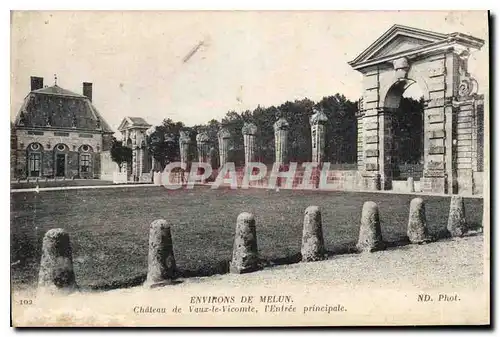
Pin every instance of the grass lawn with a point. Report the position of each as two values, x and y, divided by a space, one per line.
59 183
109 227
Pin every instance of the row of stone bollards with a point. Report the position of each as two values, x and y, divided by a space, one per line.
56 268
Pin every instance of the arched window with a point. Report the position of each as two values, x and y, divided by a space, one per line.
34 154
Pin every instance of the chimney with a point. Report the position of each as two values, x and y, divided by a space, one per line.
36 83
87 90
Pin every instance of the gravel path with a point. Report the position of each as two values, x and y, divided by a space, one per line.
377 288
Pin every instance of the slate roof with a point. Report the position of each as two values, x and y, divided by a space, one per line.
56 107
139 121
131 122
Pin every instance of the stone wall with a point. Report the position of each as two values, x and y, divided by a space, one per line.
73 139
72 168
107 166
49 140
360 140
478 178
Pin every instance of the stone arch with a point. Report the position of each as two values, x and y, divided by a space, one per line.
419 80
399 85
395 147
405 56
85 148
35 147
61 147
392 98
34 159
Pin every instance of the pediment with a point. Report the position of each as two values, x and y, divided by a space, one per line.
397 40
400 43
124 124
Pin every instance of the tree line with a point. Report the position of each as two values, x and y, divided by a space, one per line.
341 132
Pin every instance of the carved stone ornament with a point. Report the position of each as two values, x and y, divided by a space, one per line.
150 131
202 138
360 104
184 137
281 124
401 67
249 129
468 85
319 117
22 118
223 133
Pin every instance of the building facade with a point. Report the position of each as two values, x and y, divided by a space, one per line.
58 133
133 131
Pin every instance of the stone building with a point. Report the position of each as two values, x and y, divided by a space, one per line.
453 112
133 130
59 133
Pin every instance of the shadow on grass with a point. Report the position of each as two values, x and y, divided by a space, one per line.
222 267
118 284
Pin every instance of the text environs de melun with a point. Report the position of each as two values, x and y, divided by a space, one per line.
242 299
274 303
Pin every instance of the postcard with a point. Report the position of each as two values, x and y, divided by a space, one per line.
249 168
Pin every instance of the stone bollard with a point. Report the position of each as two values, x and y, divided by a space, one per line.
313 246
457 225
56 267
161 261
417 225
245 254
411 184
370 233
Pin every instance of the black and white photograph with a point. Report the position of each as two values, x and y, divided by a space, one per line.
249 168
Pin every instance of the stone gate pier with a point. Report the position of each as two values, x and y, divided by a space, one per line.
184 145
318 131
223 137
249 131
453 113
281 128
203 147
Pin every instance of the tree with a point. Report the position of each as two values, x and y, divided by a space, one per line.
341 132
408 130
163 142
120 154
297 114
341 129
233 122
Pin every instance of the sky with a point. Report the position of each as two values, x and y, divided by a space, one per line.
195 66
